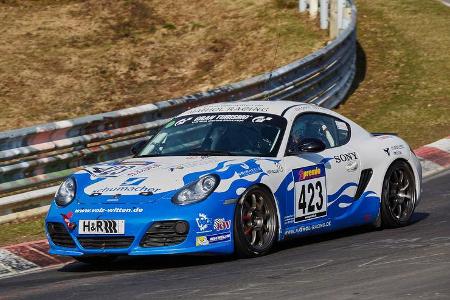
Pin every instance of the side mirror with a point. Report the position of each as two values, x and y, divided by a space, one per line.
137 148
311 145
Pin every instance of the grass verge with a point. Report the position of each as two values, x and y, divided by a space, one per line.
406 88
23 230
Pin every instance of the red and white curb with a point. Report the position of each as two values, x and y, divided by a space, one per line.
33 256
28 257
434 157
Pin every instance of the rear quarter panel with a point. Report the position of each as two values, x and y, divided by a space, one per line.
379 152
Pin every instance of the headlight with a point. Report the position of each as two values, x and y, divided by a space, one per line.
196 191
66 192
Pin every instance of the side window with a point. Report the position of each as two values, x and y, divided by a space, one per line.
331 131
343 131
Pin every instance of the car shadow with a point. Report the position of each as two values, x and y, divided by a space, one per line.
148 263
161 262
313 239
360 72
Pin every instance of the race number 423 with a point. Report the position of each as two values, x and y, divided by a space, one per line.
310 193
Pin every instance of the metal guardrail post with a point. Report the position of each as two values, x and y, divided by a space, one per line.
340 14
302 5
313 8
333 19
323 14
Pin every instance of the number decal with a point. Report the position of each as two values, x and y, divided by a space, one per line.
319 189
310 193
302 200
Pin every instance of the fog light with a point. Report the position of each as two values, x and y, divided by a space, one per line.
181 227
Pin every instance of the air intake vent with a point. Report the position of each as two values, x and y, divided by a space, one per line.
59 235
366 174
165 233
112 242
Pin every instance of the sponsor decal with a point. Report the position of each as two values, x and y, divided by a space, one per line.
307 228
279 169
230 108
212 239
133 181
308 108
145 169
310 193
203 222
249 172
201 241
66 218
182 121
289 219
216 118
397 149
137 163
387 151
345 157
102 210
222 224
134 189
308 173
108 170
261 119
101 227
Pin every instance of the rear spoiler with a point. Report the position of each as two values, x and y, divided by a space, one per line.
383 133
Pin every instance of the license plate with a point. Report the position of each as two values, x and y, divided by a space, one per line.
101 227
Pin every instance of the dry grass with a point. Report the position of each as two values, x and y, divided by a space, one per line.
23 230
64 59
407 84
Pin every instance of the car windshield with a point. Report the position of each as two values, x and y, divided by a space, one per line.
234 134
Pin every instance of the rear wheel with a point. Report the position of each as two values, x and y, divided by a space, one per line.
255 223
398 199
97 260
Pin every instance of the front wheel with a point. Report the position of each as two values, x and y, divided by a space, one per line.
398 199
255 223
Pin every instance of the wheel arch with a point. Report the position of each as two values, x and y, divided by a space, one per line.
417 176
275 200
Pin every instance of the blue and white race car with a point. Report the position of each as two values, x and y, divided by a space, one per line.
236 177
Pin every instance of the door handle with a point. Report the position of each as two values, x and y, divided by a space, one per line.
352 166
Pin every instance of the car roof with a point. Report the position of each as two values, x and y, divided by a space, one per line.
271 107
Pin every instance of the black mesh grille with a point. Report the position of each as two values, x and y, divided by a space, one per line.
59 235
106 242
164 234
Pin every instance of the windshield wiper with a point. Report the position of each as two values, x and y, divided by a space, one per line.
210 152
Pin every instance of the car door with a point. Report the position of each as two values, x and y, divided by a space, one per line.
319 178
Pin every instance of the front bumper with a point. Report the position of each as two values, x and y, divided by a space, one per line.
210 227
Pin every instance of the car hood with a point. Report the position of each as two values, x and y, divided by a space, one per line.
150 179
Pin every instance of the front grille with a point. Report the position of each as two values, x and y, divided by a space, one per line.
59 235
112 242
164 234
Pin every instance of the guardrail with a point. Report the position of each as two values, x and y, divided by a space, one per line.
37 157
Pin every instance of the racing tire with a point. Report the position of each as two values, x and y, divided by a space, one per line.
100 260
398 198
255 223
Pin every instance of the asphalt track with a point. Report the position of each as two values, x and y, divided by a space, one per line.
406 263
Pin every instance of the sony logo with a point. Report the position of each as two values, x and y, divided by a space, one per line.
345 157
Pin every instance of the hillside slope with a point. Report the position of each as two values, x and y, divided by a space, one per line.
406 88
64 59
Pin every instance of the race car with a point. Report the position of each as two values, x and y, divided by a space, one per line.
237 178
